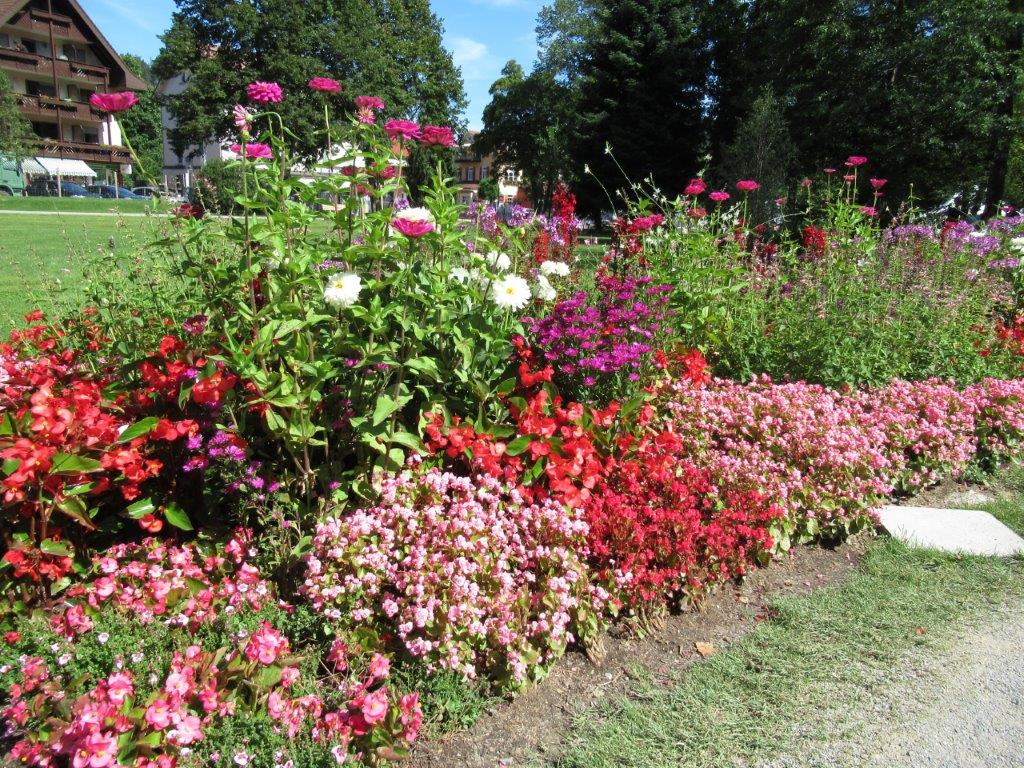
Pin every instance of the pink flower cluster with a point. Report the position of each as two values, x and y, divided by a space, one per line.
465 573
828 457
181 586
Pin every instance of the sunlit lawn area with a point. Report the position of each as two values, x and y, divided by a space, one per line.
73 204
43 255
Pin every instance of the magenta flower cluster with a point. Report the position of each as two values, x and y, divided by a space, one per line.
610 330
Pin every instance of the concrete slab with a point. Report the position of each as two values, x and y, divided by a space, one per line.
965 531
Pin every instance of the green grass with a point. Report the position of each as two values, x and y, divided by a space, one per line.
42 257
748 702
72 205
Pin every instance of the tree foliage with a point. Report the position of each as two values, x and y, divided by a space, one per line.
16 134
387 48
143 127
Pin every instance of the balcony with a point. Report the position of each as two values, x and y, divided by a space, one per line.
47 106
13 60
90 153
39 21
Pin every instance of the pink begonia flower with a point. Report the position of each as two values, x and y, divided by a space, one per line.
119 687
264 93
719 196
266 644
695 187
747 185
380 667
437 136
325 85
879 183
413 228
253 151
114 102
405 130
375 706
289 675
158 714
100 750
856 160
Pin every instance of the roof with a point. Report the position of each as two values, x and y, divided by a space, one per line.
10 7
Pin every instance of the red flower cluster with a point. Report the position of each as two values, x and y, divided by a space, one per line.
657 528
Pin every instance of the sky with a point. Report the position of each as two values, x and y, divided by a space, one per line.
481 34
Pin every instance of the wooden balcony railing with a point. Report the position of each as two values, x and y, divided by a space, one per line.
47 106
90 153
23 61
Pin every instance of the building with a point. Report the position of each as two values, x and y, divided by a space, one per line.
472 168
56 58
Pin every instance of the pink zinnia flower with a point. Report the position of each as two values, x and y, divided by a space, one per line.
413 227
242 118
868 210
695 187
806 183
369 102
719 196
437 136
747 185
325 85
780 201
405 130
114 102
697 213
253 151
879 183
849 178
856 160
830 170
264 93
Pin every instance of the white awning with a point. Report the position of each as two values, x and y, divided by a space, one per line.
56 166
32 166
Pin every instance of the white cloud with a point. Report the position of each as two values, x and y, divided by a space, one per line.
131 12
475 59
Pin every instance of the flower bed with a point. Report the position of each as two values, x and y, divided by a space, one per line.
319 484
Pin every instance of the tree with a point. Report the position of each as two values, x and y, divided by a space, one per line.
387 48
16 134
761 150
143 127
565 29
1007 117
489 189
913 84
642 94
527 126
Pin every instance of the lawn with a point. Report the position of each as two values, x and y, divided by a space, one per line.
44 255
73 205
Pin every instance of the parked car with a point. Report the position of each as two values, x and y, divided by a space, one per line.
111 192
48 188
12 177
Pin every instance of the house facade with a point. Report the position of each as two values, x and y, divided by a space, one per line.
472 167
56 58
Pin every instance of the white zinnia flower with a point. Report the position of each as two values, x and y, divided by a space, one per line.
554 268
545 291
343 289
511 292
459 275
415 214
499 261
1017 244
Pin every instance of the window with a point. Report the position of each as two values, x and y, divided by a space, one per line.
5 40
471 174
33 88
74 53
483 173
28 45
46 130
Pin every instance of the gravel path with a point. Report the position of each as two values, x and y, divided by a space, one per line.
961 706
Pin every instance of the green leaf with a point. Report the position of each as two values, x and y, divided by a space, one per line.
176 516
138 429
58 548
68 463
386 405
141 508
519 445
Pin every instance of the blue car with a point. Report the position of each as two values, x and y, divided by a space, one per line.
110 191
48 188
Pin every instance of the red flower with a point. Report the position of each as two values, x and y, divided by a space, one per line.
437 136
854 161
747 185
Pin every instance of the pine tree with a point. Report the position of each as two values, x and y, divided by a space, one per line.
642 93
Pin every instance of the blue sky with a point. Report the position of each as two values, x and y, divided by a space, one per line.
481 34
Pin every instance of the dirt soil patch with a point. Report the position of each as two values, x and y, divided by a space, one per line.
537 722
